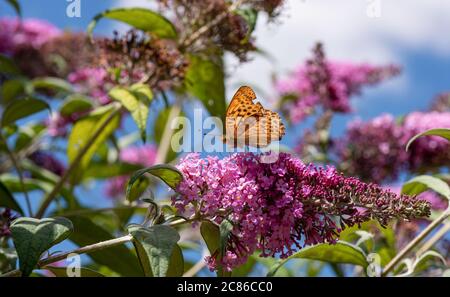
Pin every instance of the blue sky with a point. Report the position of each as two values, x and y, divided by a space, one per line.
411 33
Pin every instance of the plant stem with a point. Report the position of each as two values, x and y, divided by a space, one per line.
205 28
415 242
19 173
434 239
73 165
87 249
166 137
195 269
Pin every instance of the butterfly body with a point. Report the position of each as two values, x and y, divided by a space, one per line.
250 124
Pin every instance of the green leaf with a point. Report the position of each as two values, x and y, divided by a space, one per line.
7 199
62 271
136 100
7 66
422 183
442 132
83 130
167 173
139 18
8 259
205 80
118 258
176 265
32 237
15 4
341 252
102 170
251 17
154 246
74 104
246 268
26 134
19 109
11 89
12 182
422 263
214 237
225 229
52 83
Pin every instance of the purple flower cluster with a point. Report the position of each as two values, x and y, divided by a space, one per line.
57 124
47 161
138 155
278 207
327 84
92 82
16 34
6 217
375 150
430 151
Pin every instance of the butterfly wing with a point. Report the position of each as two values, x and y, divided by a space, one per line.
250 124
265 130
240 113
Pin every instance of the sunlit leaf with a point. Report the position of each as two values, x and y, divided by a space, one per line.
75 104
167 173
341 252
53 84
19 109
422 183
83 130
423 262
139 18
442 132
205 81
136 100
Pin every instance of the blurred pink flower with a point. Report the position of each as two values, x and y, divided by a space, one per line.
16 33
375 150
137 155
92 82
327 84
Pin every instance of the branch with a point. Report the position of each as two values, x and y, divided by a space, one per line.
19 172
434 239
49 198
415 242
86 249
164 145
205 28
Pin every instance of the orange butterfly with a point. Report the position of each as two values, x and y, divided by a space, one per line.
248 123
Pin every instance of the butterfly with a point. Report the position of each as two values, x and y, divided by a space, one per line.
249 123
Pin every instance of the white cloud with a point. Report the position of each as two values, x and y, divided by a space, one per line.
347 32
